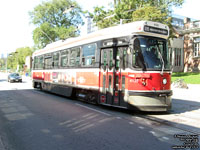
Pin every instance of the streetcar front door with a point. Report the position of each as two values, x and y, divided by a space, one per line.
112 79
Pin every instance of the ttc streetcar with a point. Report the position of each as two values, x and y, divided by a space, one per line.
123 66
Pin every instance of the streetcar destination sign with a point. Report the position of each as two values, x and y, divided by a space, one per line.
155 30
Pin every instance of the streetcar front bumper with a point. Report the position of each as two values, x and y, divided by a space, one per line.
156 101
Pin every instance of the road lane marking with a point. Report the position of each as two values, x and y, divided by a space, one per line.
87 115
91 117
140 127
46 131
16 116
81 125
93 109
66 122
84 128
152 132
165 138
75 123
131 123
105 119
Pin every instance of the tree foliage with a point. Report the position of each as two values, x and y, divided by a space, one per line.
135 10
2 63
150 13
102 17
18 57
53 24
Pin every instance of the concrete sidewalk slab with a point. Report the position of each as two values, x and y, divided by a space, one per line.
185 113
192 93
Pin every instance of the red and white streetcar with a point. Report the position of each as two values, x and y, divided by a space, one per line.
123 66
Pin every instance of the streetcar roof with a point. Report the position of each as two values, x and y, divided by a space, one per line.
134 28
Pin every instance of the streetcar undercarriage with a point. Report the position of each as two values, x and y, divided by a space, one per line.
142 101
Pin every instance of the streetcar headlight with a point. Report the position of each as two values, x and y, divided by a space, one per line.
164 81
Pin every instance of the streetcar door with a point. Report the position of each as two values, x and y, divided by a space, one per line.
120 76
112 79
106 78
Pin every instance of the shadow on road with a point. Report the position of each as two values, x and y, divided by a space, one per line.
182 106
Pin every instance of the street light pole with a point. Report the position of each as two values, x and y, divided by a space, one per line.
17 61
6 62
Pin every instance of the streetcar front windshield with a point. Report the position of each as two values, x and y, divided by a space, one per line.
152 53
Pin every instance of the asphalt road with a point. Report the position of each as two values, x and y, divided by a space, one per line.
34 120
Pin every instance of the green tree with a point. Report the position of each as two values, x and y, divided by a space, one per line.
2 63
12 61
135 10
102 17
18 58
53 24
150 13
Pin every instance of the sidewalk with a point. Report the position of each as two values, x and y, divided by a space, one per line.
192 93
26 78
185 113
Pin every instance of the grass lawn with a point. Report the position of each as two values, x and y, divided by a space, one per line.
189 78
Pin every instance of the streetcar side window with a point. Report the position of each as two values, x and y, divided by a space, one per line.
55 63
78 56
64 58
104 59
88 54
74 57
38 62
35 62
41 62
137 57
122 57
118 60
125 58
48 61
110 59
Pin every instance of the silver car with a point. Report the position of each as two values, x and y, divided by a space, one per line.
14 77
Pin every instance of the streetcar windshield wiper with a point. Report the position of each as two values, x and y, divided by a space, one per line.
161 58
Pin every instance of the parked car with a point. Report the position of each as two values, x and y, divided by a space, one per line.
14 77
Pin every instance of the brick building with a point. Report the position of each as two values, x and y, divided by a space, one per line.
185 49
191 34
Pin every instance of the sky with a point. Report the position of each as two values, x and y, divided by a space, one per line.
16 30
